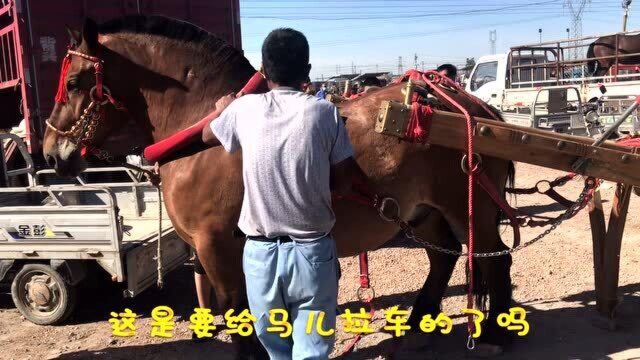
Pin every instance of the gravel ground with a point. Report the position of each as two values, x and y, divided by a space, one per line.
553 281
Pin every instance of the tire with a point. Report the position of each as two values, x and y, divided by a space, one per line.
42 295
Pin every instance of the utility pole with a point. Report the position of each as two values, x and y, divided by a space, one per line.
353 68
568 34
540 32
422 66
576 10
625 6
400 72
492 41
415 61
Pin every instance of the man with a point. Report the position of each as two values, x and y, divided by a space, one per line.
322 93
292 145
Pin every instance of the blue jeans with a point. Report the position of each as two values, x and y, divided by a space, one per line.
301 278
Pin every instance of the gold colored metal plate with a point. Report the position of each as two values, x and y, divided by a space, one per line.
393 119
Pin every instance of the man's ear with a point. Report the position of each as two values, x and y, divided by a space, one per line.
90 34
74 36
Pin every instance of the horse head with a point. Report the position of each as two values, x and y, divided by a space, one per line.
85 113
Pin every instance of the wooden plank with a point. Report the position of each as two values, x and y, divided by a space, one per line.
598 233
612 247
538 147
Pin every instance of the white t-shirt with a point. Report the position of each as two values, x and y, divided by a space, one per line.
289 141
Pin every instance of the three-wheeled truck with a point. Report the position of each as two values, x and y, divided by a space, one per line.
53 232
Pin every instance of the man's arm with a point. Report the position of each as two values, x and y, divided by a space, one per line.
208 137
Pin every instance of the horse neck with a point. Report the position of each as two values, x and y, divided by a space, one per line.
171 95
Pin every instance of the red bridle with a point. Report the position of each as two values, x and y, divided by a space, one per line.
83 129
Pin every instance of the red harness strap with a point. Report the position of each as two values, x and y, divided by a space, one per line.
364 285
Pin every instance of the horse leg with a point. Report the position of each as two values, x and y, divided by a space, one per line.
436 230
221 257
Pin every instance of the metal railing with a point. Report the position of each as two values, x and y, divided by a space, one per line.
9 66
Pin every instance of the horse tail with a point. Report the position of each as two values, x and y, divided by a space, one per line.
592 65
480 288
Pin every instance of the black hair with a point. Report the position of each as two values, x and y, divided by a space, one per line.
452 71
285 57
371 81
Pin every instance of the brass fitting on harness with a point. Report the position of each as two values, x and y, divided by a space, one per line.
408 92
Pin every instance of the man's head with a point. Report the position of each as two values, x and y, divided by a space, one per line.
285 58
448 70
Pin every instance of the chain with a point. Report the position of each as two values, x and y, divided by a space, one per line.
569 213
83 130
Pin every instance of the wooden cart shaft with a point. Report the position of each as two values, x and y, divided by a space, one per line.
534 146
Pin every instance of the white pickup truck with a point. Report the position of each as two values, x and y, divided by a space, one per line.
534 87
53 233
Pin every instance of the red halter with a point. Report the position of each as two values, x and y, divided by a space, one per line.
83 129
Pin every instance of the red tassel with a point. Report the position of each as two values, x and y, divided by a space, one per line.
61 95
419 124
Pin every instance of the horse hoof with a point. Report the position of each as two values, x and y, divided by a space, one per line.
604 323
482 350
413 345
416 341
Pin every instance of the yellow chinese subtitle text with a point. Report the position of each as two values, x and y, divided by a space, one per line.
515 321
242 323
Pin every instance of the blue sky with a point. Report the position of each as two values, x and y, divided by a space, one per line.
373 34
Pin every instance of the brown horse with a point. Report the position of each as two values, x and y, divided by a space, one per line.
168 75
606 46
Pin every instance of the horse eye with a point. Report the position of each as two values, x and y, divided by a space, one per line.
72 85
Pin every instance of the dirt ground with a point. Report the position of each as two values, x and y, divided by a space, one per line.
552 280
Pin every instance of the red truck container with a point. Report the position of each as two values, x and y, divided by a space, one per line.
33 41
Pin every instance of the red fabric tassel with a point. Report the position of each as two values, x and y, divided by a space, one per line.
418 129
61 95
630 141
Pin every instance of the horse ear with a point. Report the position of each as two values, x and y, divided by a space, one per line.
90 34
74 36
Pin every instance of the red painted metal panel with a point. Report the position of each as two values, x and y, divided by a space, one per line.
43 38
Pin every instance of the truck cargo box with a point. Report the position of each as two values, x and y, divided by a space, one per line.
33 41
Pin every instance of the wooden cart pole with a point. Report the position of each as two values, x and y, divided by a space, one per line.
598 233
612 247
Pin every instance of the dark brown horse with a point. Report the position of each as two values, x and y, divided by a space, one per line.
169 74
606 47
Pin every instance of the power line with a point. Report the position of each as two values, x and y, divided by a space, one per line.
407 16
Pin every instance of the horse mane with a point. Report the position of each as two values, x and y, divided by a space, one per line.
217 49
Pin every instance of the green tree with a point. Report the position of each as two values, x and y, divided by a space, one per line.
469 64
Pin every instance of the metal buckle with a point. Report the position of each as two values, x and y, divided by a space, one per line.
382 205
539 188
471 343
363 292
105 94
477 163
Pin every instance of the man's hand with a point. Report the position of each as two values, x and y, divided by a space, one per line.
224 101
207 135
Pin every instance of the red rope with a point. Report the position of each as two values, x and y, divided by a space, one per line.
418 129
61 94
470 183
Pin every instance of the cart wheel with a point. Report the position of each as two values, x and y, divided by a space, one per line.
42 295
